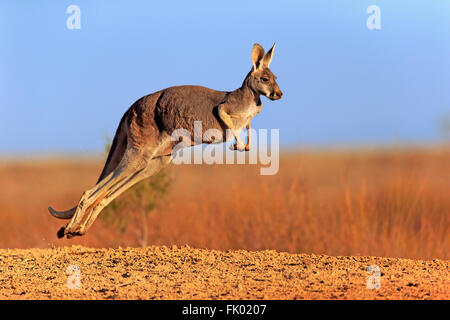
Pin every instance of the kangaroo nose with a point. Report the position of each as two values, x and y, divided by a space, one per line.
277 94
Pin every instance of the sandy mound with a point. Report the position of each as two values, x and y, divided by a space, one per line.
186 273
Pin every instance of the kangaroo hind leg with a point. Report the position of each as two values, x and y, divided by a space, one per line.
93 196
155 165
134 166
115 156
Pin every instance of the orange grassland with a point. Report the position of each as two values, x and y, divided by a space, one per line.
393 203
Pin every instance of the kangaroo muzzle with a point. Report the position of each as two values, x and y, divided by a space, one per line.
276 95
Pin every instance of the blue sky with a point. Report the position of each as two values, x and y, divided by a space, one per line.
63 90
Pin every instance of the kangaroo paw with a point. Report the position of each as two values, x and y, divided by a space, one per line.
60 233
237 147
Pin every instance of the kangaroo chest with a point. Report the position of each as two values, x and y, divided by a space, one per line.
242 117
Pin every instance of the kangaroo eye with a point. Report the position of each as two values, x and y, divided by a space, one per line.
264 79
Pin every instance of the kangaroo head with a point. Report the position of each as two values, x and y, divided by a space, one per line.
261 79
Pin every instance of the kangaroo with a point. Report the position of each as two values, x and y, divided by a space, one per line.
143 145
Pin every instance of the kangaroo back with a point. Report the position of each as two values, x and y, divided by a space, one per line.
178 108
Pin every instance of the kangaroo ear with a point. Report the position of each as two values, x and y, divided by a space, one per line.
257 56
268 57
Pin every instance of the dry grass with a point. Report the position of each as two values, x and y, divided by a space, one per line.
378 203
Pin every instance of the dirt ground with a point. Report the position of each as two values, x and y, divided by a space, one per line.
187 273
